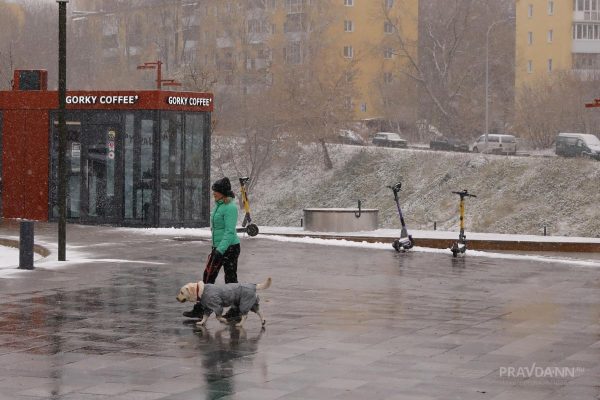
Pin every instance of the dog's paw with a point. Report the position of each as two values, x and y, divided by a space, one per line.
200 324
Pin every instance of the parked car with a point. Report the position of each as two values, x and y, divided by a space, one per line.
389 139
577 145
347 136
448 144
496 144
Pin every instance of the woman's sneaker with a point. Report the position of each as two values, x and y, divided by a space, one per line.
196 312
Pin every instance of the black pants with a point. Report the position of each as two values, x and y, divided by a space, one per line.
228 262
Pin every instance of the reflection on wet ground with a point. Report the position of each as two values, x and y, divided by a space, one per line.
342 323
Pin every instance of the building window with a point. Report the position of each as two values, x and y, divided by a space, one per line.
348 26
293 6
586 61
590 9
348 103
292 54
388 53
388 28
551 7
363 107
550 36
389 4
348 52
530 11
582 31
529 66
387 77
549 65
349 3
529 37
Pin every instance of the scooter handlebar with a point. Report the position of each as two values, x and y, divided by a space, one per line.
243 180
396 187
464 193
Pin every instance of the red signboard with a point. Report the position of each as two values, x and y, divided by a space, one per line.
108 100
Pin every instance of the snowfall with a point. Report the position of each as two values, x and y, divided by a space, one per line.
517 198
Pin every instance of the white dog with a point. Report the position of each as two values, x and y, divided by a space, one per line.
214 298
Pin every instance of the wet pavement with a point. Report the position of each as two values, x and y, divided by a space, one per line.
342 323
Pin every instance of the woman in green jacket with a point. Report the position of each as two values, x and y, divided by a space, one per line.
225 241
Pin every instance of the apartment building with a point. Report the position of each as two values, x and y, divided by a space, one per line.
553 35
246 44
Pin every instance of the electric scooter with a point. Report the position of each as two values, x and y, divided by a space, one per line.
247 225
461 245
405 242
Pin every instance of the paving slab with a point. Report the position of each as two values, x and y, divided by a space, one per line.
342 323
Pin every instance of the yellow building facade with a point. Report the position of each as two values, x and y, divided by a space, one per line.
556 35
369 31
247 43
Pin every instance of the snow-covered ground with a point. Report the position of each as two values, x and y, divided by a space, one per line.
9 257
76 255
516 195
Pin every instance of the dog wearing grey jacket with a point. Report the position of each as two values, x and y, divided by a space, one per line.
214 298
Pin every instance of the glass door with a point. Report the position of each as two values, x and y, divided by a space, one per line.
139 169
73 165
99 197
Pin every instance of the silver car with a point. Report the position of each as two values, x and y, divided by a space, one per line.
496 144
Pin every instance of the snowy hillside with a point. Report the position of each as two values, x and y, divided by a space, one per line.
514 194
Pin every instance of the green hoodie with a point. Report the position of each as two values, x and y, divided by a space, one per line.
223 221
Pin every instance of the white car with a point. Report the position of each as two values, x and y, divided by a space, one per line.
496 144
389 139
347 136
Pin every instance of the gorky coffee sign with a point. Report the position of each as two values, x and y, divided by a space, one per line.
107 99
188 101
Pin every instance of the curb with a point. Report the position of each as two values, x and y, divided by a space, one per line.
475 244
41 250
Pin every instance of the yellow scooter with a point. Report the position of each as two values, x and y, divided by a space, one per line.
247 226
461 245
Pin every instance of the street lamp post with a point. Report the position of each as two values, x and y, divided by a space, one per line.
487 74
62 129
160 82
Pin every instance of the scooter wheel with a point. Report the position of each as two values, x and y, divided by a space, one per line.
252 230
396 245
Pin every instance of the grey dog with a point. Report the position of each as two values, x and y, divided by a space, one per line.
214 298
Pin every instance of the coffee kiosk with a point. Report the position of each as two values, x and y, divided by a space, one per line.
134 158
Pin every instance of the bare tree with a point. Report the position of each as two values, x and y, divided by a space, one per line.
448 62
314 89
556 104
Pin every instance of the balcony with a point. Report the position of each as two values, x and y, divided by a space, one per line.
585 46
587 74
586 16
